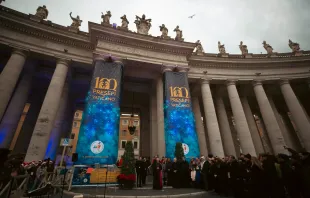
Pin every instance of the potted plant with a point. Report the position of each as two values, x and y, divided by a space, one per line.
127 178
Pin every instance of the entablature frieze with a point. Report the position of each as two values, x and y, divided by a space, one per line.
138 54
132 39
248 79
253 65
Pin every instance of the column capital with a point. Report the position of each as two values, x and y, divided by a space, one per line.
257 82
182 69
166 68
231 82
204 81
284 81
63 61
20 52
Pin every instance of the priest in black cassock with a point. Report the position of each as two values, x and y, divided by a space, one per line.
157 175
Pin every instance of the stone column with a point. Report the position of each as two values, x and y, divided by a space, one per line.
23 138
288 138
299 116
9 77
242 127
11 118
199 127
15 109
154 138
259 148
161 144
228 142
57 130
213 129
39 140
272 126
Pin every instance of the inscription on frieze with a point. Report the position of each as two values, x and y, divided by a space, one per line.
141 52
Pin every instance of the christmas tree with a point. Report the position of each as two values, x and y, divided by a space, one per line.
179 152
128 167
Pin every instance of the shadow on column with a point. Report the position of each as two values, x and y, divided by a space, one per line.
36 99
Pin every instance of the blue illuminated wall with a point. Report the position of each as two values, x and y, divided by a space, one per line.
179 117
99 132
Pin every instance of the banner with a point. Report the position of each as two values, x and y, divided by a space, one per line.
98 136
179 117
86 175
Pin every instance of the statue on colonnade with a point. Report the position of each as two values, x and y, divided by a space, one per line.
76 22
268 48
294 46
143 25
179 34
42 12
125 22
199 48
221 48
106 18
164 31
243 48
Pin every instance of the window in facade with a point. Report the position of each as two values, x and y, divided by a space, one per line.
123 144
72 135
124 122
75 124
135 145
136 123
77 114
124 132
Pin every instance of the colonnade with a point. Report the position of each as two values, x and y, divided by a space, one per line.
217 136
218 130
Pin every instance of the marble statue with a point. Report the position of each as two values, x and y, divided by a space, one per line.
243 48
125 22
221 48
294 46
106 18
76 22
179 34
268 48
199 48
164 31
42 12
143 25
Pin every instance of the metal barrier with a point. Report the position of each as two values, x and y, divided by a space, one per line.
12 189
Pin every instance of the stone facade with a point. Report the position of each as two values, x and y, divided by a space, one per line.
271 87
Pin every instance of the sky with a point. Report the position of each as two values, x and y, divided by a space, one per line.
228 21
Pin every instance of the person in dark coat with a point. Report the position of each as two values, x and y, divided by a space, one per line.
185 174
272 185
169 170
305 170
157 175
139 171
144 170
256 182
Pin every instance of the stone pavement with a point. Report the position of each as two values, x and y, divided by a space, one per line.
167 192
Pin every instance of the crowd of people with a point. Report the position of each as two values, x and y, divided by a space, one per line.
265 176
14 165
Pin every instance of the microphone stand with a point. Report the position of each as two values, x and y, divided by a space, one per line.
63 181
106 178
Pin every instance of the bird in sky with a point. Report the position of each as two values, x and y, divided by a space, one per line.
191 16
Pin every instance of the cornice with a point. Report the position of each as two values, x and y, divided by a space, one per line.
252 65
133 39
256 59
44 29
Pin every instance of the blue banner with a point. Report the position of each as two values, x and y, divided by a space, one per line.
179 117
99 133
